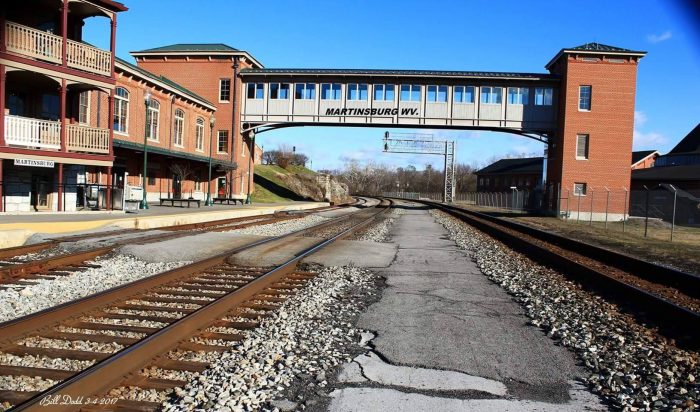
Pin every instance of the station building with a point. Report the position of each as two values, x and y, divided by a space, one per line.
47 73
213 72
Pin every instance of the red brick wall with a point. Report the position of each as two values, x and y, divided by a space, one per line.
202 76
646 163
609 125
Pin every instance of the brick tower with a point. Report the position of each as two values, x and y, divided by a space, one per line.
592 151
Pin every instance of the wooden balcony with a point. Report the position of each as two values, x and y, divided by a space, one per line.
45 46
31 133
87 139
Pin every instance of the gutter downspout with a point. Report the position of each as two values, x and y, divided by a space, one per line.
234 123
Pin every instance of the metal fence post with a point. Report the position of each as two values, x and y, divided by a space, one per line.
607 203
646 212
625 212
590 218
673 219
568 195
578 207
558 199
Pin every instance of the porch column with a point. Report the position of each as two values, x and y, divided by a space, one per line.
2 186
108 195
112 42
2 104
62 94
60 186
110 121
2 30
64 33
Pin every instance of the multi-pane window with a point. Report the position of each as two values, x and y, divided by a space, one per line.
410 93
463 94
384 92
582 146
121 110
543 96
179 127
256 90
223 141
584 98
152 119
279 91
199 134
84 108
437 94
305 91
357 91
224 90
580 189
491 95
330 91
517 95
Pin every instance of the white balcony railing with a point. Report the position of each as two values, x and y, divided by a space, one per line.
33 133
32 42
88 58
87 139
46 46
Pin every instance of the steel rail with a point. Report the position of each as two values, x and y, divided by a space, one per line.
112 371
671 319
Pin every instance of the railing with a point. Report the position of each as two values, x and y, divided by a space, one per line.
32 42
46 46
24 131
87 139
91 59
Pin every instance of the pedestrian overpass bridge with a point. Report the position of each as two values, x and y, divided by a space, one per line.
521 103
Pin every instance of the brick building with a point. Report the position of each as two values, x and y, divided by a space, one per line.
47 73
596 120
644 159
212 71
501 176
178 136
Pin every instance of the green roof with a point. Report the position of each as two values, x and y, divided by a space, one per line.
165 80
381 72
192 47
125 144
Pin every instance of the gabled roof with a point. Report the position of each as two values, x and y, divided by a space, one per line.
596 48
196 49
164 82
669 174
513 166
689 144
192 47
640 155
406 73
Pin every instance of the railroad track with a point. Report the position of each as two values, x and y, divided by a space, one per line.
667 298
156 323
21 272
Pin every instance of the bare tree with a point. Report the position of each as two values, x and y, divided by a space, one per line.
182 171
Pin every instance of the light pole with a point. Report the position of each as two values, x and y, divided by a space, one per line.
248 200
146 101
515 190
209 201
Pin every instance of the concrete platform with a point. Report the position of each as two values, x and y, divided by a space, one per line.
16 229
448 339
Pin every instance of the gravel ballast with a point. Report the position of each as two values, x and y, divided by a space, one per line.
310 333
113 271
280 228
630 366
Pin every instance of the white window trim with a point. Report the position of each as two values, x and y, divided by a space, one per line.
279 88
197 128
229 90
588 146
306 87
87 109
584 193
464 94
590 99
410 92
491 92
150 116
331 91
217 142
437 93
519 93
182 129
255 91
357 90
544 96
126 100
384 92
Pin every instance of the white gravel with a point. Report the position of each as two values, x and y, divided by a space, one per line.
281 228
307 336
113 271
630 365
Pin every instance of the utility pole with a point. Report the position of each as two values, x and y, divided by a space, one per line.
421 143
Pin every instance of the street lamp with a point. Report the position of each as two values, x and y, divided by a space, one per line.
209 201
515 190
146 101
251 134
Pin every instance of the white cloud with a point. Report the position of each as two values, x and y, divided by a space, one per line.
639 118
648 140
658 38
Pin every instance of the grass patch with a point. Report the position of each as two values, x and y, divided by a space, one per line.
262 195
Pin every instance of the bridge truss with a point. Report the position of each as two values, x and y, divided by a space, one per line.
421 143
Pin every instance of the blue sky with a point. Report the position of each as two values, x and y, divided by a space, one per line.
441 35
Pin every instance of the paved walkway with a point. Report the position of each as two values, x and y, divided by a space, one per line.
448 339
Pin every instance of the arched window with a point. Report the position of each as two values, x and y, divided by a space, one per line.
199 134
152 120
121 110
178 130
